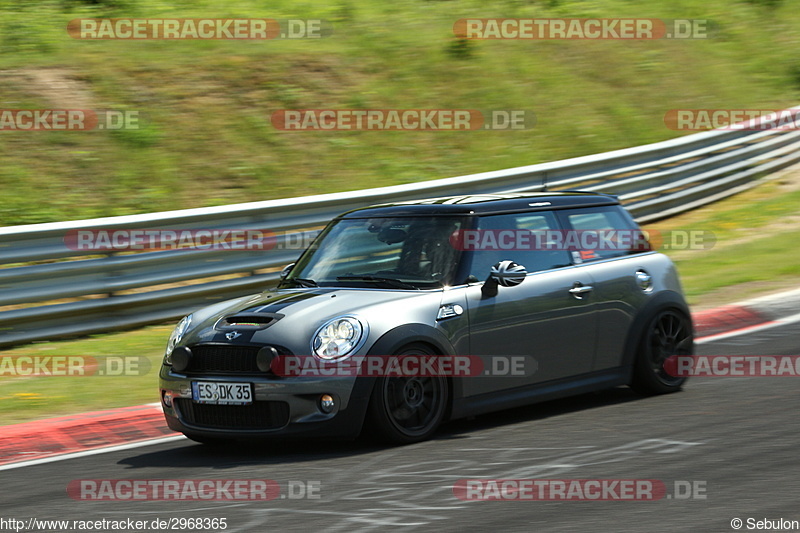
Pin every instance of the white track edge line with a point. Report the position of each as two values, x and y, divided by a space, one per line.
86 453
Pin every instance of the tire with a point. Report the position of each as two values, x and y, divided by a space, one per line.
668 333
404 410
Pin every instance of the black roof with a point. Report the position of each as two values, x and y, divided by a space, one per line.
485 204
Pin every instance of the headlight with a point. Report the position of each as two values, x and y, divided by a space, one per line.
337 338
175 337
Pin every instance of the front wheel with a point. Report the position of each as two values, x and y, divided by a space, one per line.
410 408
668 333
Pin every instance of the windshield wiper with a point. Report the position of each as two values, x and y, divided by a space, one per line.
303 282
389 281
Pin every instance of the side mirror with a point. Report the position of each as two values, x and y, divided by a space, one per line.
285 272
506 273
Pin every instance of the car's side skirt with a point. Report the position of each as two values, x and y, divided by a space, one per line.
507 399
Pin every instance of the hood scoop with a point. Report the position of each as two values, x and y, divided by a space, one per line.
247 321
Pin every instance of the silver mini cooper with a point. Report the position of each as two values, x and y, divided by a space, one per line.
401 316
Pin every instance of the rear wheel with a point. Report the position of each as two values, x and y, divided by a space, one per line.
409 408
668 333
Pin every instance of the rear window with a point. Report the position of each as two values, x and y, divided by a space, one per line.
603 233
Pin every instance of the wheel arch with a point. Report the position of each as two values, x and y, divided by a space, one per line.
660 302
393 340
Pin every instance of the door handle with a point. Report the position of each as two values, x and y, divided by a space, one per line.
578 291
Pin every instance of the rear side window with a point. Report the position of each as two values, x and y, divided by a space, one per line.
511 236
602 233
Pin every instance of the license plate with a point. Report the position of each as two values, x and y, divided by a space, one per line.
220 393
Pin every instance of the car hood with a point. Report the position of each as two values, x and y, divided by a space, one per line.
297 314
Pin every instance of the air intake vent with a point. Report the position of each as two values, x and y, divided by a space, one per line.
258 415
248 321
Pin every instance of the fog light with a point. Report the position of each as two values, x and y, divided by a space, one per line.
181 357
264 358
166 398
327 403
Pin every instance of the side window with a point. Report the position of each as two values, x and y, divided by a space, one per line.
520 237
602 233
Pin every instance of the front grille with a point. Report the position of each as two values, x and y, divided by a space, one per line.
223 359
258 415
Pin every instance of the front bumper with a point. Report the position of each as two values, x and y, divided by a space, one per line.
282 408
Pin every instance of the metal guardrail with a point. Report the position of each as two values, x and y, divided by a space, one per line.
49 291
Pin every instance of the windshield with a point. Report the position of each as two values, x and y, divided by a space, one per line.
398 253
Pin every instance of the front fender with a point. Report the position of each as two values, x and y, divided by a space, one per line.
391 341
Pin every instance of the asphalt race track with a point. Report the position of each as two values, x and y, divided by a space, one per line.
734 439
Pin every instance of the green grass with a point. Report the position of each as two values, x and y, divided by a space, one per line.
755 248
771 258
208 140
744 215
28 398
